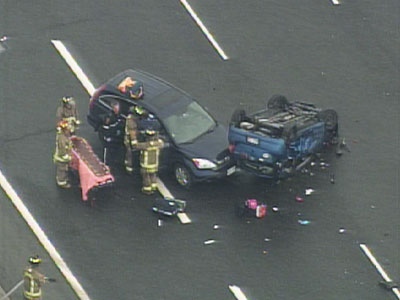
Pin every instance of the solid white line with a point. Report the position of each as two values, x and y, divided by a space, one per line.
237 292
163 189
76 69
204 29
17 202
381 271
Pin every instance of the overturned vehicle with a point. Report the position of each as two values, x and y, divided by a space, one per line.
282 138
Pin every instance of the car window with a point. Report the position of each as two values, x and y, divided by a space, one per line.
187 124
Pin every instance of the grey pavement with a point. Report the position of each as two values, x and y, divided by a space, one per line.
18 243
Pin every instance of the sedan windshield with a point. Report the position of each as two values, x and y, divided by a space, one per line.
188 124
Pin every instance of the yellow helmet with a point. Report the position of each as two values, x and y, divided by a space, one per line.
67 99
35 260
139 110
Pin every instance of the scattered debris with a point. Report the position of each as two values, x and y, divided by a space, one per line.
299 199
343 145
265 252
267 240
303 222
323 165
342 230
308 191
332 178
209 242
215 227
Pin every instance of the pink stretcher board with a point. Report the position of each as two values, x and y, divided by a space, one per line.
92 171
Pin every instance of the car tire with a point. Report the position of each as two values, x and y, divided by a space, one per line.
238 116
183 176
278 102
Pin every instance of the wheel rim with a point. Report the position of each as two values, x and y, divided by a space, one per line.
182 176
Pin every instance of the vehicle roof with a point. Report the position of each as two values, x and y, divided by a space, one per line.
160 97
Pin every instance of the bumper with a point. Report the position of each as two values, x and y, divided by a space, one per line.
207 175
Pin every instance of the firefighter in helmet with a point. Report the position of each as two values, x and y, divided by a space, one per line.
68 111
33 279
131 136
63 154
149 160
112 131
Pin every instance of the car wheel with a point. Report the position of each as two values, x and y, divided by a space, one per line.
183 176
237 117
278 102
330 118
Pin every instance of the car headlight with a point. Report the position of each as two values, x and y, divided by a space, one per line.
266 155
202 163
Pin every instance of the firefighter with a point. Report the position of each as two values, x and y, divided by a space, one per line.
33 279
111 130
131 137
68 111
149 160
63 154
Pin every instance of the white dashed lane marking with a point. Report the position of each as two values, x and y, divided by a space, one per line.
204 30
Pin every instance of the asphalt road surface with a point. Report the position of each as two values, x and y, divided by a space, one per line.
341 56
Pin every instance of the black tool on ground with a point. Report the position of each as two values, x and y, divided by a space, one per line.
168 206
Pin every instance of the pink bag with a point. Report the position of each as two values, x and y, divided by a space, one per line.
251 203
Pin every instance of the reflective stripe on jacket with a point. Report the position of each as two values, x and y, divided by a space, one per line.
149 158
63 149
32 288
